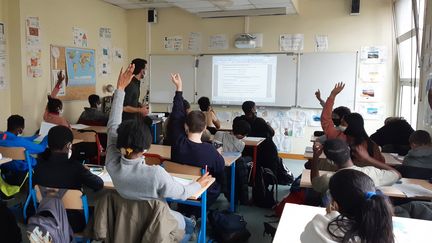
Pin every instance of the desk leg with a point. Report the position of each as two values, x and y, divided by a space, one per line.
254 162
232 196
203 230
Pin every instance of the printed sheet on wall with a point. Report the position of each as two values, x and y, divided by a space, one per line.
79 66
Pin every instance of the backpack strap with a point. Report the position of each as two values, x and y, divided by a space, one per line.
52 192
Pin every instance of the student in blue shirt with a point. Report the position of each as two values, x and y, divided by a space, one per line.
15 171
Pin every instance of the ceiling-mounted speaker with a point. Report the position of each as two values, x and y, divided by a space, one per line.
355 7
152 16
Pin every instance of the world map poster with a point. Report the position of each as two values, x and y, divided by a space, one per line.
81 69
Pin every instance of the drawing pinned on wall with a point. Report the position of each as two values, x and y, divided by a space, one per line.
286 127
173 43
298 129
33 48
104 33
118 55
104 67
321 43
297 115
62 90
224 116
2 32
371 111
80 37
291 42
371 73
194 42
314 118
368 92
3 55
218 42
373 54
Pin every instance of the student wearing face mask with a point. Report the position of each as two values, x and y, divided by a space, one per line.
131 105
15 172
56 169
93 115
54 108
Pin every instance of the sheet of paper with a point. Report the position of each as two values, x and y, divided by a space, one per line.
182 181
411 190
194 44
79 126
45 127
80 37
105 177
255 139
218 42
321 43
173 43
291 42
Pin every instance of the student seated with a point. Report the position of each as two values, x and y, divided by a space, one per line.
187 147
132 178
55 169
420 154
54 108
168 126
212 122
393 137
333 123
259 127
339 152
232 142
93 115
357 212
15 172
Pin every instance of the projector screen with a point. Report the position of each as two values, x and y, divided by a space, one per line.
236 78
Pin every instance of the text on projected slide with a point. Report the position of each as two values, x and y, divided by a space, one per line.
237 78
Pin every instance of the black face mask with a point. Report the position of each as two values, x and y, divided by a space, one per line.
337 122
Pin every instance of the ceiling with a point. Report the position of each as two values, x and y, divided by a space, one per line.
199 6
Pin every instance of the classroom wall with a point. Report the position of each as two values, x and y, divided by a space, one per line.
424 115
5 104
331 17
57 17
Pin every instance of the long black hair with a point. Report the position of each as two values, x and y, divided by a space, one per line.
355 129
364 212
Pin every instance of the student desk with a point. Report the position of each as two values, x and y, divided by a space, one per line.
5 160
295 217
390 159
253 142
98 129
390 191
75 141
181 171
163 151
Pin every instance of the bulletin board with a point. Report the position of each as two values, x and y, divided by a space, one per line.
78 65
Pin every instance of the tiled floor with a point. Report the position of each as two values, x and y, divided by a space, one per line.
254 216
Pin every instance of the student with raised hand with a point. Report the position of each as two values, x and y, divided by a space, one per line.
364 150
132 177
56 169
211 119
187 147
357 212
54 108
329 118
14 172
420 154
339 152
93 115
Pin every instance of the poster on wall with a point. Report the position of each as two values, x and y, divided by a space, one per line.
321 43
291 42
118 55
368 92
194 43
2 57
80 37
105 51
33 48
173 43
371 111
373 54
371 73
80 66
218 42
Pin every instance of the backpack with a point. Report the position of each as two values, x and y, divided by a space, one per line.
284 175
50 223
228 227
262 196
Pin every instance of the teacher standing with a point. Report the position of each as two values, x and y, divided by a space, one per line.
131 105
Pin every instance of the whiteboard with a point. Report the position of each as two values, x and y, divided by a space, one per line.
285 78
322 71
161 66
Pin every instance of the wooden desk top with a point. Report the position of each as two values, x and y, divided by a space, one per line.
230 157
108 184
98 129
390 191
253 141
163 150
389 158
75 141
5 160
289 230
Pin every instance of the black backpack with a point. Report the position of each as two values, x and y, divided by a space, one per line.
284 175
228 227
261 194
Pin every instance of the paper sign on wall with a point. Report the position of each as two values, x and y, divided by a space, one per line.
2 57
33 47
291 42
321 43
194 43
218 42
80 37
373 54
173 43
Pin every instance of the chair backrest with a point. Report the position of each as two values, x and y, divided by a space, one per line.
71 199
177 168
153 159
15 153
90 146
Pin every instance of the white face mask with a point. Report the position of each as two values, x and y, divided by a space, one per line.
99 106
60 112
342 128
70 153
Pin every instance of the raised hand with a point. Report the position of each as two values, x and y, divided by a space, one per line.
125 77
60 78
337 89
176 79
318 95
317 149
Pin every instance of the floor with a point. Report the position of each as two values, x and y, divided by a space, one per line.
254 216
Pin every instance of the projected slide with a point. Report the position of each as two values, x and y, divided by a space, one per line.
237 78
